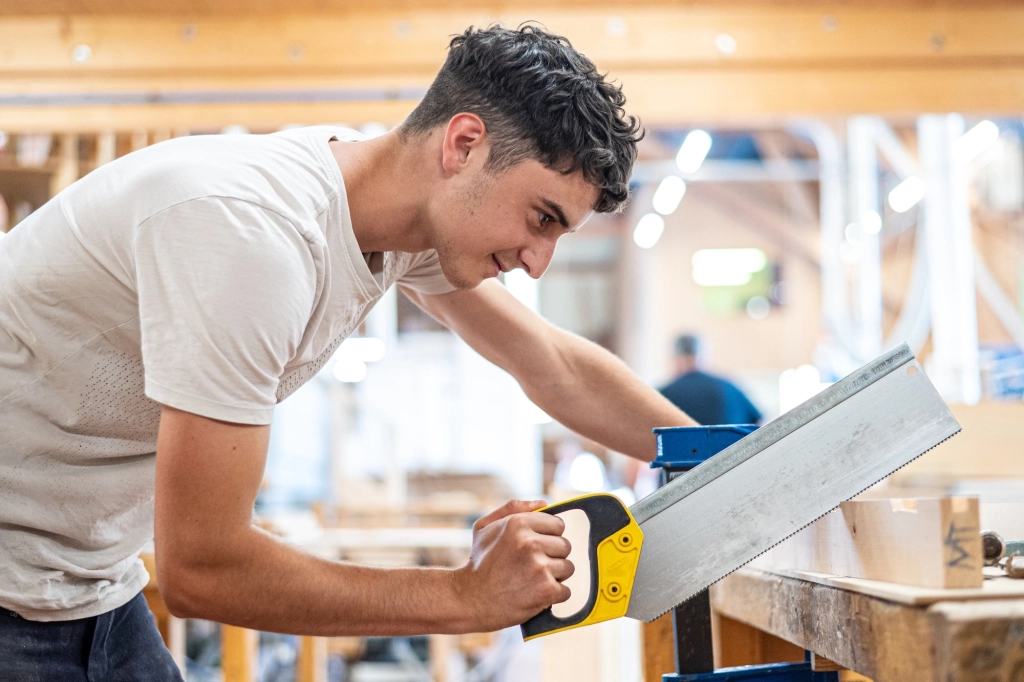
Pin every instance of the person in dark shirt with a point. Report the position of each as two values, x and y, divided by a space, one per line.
707 398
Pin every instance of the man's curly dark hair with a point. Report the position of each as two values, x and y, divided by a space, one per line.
539 99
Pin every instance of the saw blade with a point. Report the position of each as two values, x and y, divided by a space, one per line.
725 512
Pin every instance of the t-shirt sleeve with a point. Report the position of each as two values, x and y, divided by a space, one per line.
425 275
225 290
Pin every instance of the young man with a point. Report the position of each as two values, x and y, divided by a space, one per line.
155 312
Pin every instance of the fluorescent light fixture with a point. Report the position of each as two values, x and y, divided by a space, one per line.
975 141
727 267
907 194
668 195
693 151
362 348
871 222
349 370
648 230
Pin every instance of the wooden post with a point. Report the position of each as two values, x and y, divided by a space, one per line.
238 653
311 664
440 648
106 147
67 165
658 648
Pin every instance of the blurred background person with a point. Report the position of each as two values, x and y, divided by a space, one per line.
707 398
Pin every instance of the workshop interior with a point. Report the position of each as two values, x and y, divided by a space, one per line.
821 261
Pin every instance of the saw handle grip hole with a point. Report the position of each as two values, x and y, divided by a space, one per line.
912 370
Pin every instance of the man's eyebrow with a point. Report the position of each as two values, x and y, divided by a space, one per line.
557 210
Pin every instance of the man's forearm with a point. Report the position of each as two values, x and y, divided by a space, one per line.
259 582
593 393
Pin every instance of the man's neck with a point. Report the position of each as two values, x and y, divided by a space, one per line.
387 181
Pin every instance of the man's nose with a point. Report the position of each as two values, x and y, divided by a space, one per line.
536 257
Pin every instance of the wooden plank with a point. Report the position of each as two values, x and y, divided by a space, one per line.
928 542
201 8
980 641
996 586
664 98
885 641
238 653
888 642
393 40
877 60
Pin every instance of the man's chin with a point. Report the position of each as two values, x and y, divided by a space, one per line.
457 279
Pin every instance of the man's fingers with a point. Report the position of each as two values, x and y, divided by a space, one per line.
563 595
561 569
508 509
545 524
554 546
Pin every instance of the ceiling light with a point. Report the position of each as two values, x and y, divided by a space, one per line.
648 230
975 141
871 222
693 151
907 194
668 195
80 54
727 267
725 43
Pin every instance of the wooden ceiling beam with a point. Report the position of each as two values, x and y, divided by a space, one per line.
789 61
396 41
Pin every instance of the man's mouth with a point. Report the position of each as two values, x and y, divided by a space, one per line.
497 265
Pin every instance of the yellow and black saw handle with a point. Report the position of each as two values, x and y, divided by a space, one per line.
613 550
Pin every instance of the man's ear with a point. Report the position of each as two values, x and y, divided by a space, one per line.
465 144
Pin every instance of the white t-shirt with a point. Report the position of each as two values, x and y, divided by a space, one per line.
214 274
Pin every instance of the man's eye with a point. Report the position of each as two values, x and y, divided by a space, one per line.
545 218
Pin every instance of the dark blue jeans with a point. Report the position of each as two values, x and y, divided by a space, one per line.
122 645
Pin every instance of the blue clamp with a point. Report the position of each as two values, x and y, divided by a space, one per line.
684 447
771 672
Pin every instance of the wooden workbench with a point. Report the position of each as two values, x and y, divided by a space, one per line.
887 632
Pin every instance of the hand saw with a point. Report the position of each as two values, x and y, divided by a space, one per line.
642 561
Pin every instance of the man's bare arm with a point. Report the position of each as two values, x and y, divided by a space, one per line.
577 382
212 563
